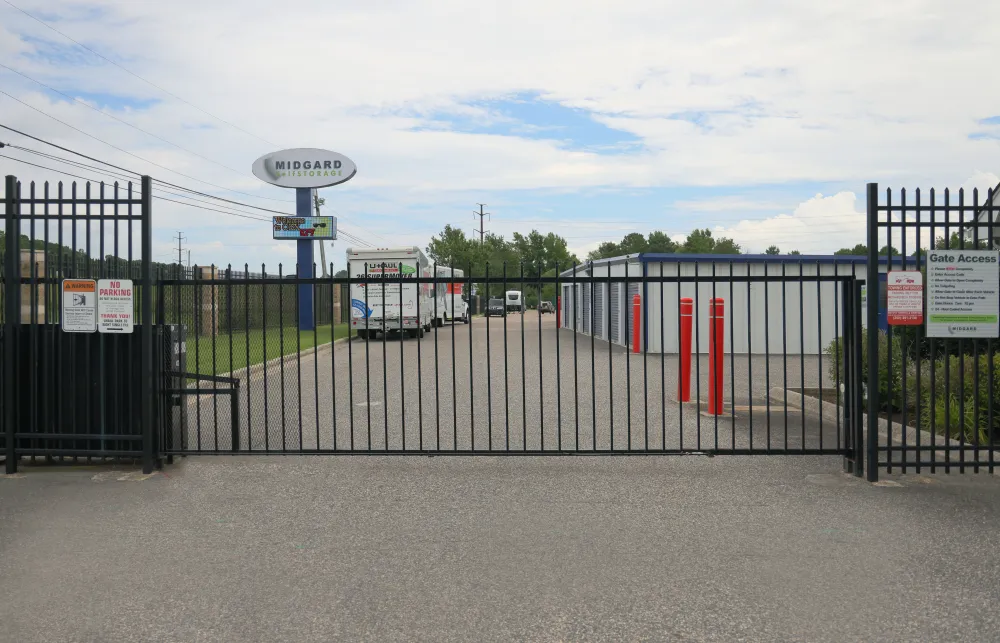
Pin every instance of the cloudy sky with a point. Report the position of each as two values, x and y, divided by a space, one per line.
760 120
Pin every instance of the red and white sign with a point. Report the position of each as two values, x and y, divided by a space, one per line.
115 306
454 289
905 300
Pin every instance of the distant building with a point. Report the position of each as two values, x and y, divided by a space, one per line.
793 317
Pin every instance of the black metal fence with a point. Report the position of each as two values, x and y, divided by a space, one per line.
517 384
67 394
932 383
219 363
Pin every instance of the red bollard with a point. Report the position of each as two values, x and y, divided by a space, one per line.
687 316
559 311
716 348
636 311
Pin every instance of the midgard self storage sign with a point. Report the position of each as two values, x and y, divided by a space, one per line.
962 298
114 306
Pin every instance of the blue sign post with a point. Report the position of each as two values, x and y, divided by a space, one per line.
305 169
303 208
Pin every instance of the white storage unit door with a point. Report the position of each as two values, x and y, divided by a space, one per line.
599 330
586 307
566 304
614 311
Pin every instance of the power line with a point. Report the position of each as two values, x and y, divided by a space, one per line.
115 176
350 237
120 120
148 82
60 159
111 145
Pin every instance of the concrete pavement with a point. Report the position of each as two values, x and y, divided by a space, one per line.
497 549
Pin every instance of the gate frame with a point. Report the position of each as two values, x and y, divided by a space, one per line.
13 280
917 222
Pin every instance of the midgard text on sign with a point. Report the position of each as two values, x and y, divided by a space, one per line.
962 298
305 167
115 307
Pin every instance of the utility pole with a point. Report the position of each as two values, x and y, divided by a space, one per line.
180 250
482 231
317 201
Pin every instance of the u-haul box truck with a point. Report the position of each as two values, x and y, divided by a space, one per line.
383 301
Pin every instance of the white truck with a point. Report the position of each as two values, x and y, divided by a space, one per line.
451 298
515 301
384 302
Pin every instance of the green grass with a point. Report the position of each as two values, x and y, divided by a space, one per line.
278 343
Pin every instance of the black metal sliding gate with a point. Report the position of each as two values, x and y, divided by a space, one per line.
933 386
219 362
517 384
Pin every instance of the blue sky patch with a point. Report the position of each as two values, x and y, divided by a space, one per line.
58 53
992 120
114 102
530 116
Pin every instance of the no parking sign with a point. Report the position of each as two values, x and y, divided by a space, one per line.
115 306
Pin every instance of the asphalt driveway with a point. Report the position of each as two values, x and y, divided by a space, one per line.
514 383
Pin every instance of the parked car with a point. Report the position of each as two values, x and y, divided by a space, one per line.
546 307
495 308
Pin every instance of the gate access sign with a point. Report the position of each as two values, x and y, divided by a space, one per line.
905 297
115 306
79 305
962 298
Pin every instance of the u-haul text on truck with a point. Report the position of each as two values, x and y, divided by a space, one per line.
383 301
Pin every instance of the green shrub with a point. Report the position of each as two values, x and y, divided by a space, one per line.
948 417
946 393
890 389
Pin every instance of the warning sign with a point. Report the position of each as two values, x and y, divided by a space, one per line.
905 297
79 305
115 306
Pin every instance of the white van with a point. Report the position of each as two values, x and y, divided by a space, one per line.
382 303
515 301
452 306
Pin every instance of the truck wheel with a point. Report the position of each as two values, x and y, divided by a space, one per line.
420 333
363 334
465 319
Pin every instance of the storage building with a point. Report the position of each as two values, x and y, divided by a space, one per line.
792 317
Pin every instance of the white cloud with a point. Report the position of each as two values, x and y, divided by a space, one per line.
725 204
781 91
820 225
824 224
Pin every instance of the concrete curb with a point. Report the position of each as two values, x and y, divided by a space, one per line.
830 411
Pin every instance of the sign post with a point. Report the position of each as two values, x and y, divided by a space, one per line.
962 298
304 258
305 169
